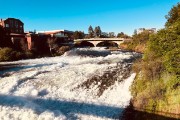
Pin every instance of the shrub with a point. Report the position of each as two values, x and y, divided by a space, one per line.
150 69
29 54
138 42
157 84
172 61
8 54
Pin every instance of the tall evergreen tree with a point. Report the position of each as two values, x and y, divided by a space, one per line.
97 31
173 15
91 32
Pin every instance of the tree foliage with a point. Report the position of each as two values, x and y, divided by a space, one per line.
91 32
78 35
138 42
158 77
122 35
166 44
173 15
97 31
8 54
111 34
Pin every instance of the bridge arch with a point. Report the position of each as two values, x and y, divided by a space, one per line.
107 44
84 44
92 42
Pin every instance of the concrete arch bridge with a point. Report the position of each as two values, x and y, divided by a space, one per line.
99 42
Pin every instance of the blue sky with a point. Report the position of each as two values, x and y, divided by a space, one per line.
111 15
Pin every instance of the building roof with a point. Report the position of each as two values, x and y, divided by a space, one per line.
1 20
54 31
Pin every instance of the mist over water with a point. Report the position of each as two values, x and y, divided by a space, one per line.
84 83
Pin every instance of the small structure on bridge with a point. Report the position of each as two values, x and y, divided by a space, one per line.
98 42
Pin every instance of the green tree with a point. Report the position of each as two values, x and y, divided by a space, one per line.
104 35
138 41
122 35
91 32
78 35
158 73
97 31
173 15
111 34
166 45
141 38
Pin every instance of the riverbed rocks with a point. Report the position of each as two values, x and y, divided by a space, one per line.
117 73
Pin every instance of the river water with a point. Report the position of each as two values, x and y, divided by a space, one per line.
84 83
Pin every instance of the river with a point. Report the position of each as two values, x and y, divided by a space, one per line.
84 83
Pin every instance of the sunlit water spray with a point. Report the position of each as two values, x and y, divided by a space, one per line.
82 84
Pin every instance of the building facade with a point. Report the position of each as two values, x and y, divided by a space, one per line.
65 34
15 29
13 25
151 30
43 41
38 43
32 40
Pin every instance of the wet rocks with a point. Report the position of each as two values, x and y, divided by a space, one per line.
108 78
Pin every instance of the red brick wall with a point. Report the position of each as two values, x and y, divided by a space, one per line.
29 42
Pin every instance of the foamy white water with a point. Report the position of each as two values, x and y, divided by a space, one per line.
46 88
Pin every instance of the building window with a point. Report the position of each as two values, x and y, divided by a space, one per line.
11 22
16 24
7 25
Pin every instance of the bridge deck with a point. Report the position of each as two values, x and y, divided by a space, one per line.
100 39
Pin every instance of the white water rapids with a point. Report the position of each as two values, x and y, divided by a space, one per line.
47 88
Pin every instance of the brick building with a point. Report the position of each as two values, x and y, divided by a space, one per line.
38 42
64 34
13 25
33 41
43 41
15 29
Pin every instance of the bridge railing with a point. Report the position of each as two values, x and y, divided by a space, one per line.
99 39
